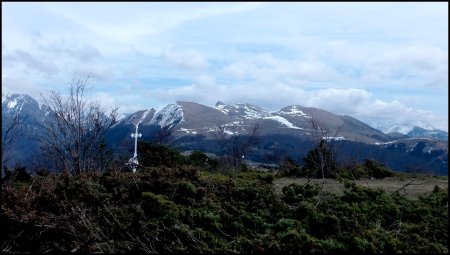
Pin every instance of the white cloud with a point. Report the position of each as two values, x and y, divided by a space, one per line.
358 103
203 90
264 67
20 86
424 63
388 113
342 101
383 61
132 21
382 64
105 99
81 52
96 71
32 62
186 59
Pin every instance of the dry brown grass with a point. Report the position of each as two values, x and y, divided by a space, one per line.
410 187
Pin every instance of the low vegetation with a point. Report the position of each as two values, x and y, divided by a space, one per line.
184 204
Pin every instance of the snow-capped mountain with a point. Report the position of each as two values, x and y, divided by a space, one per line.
407 126
242 111
165 116
416 128
188 117
287 131
19 103
31 116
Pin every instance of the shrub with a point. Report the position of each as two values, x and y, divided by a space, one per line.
377 170
320 161
159 155
370 168
288 167
19 174
295 193
183 210
200 159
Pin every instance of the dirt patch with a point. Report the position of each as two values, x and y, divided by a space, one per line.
410 187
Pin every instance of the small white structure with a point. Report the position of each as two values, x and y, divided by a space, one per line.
133 162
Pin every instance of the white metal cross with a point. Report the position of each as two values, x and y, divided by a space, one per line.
133 162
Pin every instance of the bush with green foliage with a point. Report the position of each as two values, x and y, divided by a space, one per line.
200 159
183 209
152 154
288 167
370 168
320 162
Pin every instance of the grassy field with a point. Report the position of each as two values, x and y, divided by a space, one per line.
409 186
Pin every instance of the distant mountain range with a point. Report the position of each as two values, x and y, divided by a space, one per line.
417 128
237 119
286 132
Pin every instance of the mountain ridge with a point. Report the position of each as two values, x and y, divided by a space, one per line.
289 130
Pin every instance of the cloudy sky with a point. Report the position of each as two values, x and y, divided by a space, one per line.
379 62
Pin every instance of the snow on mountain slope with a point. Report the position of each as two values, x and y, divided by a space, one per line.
144 115
25 106
283 121
402 129
167 116
15 103
221 107
242 111
407 126
293 110
253 112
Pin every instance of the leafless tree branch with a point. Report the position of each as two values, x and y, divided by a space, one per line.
74 132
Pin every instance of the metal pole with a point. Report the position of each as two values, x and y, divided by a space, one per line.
133 162
135 141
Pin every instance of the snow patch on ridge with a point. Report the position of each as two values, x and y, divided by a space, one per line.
407 126
243 111
164 116
253 112
167 116
295 111
144 116
335 138
15 102
222 108
189 131
282 121
400 140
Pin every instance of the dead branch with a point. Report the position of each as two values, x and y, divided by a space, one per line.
409 184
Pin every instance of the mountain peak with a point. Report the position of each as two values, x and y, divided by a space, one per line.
407 126
18 102
220 103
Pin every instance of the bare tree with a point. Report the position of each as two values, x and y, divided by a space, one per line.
74 133
322 157
8 136
235 146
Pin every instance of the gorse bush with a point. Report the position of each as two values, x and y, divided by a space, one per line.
200 159
369 169
151 154
182 208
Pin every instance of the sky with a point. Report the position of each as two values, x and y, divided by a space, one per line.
382 63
